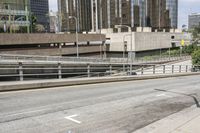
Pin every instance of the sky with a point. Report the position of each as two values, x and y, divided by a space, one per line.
186 7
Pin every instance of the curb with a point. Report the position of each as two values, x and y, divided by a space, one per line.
28 85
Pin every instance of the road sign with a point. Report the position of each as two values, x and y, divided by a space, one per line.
182 42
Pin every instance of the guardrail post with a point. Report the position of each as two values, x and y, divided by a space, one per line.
21 77
186 68
59 71
142 70
88 70
110 69
163 69
172 68
154 69
180 69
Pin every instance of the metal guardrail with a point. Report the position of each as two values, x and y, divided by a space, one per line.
21 72
22 58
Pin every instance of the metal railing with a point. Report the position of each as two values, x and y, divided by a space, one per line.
23 58
23 72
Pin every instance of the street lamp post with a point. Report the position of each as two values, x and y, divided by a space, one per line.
131 52
77 47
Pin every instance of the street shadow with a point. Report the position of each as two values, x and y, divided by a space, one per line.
188 95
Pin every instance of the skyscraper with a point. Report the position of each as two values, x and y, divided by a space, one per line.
94 15
157 14
172 7
40 9
80 9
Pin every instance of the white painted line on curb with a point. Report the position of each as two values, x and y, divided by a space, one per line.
71 119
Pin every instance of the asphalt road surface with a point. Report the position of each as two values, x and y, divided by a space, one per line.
121 107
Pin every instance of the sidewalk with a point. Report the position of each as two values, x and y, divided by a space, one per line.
186 121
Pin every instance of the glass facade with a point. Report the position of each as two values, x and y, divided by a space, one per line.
40 9
172 6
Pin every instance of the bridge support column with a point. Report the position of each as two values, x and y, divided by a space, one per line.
180 69
21 75
172 68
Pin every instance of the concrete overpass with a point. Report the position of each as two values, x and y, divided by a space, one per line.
52 44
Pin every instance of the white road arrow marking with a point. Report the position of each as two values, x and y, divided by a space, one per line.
160 95
163 95
71 119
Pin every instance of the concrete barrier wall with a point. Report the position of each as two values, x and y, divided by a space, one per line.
26 85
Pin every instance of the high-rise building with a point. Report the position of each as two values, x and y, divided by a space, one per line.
40 9
14 16
80 9
194 20
94 15
172 7
157 14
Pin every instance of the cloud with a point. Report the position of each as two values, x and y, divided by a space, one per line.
53 5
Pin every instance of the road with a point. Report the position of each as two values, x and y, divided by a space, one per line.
121 107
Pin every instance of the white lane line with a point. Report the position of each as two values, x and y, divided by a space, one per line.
71 119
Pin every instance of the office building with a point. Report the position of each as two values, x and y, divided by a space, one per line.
172 7
157 14
95 15
40 9
80 10
14 16
194 20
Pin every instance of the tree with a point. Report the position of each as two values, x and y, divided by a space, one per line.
33 23
39 28
196 57
196 34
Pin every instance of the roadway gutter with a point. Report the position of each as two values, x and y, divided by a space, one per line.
42 84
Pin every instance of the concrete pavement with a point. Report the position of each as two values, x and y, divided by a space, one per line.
120 107
186 121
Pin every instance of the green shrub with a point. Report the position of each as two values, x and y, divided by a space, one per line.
196 57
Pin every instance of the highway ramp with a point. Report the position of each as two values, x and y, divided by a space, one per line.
120 107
